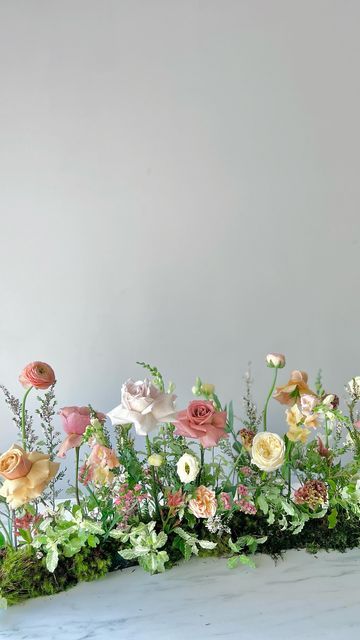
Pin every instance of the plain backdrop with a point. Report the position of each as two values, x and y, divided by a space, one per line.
179 183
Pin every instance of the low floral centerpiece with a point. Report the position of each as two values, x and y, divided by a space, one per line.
197 481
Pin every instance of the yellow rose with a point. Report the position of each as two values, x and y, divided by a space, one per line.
26 475
268 451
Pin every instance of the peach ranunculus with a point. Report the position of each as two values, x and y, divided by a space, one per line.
295 388
204 504
37 374
26 475
75 420
201 421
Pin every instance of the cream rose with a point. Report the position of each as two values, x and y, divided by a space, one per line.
144 406
187 467
268 451
26 475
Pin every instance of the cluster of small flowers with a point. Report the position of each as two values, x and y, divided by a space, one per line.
246 471
26 522
215 525
313 493
246 437
127 500
242 500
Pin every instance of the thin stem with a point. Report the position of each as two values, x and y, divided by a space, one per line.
326 433
13 517
269 396
23 418
202 457
77 458
153 481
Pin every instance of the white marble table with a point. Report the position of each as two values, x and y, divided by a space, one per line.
300 597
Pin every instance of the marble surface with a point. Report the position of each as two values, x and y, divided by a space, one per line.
301 596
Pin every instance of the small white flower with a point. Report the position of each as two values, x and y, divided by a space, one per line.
155 460
354 386
187 467
275 360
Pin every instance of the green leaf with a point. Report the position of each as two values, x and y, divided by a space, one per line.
262 504
2 541
288 507
3 603
52 559
233 562
247 561
332 518
207 544
128 554
233 546
161 539
271 518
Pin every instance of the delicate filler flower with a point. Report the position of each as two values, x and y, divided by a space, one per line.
144 406
74 422
187 467
354 386
246 507
297 386
37 374
313 493
201 420
246 437
275 360
268 451
26 475
204 504
155 460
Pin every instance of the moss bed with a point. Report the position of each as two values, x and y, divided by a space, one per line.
23 575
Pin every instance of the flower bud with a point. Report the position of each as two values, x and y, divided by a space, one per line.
275 360
207 388
155 460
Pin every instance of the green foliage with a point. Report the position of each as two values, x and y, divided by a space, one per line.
188 543
144 544
66 534
241 548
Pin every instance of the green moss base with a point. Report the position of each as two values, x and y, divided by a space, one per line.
23 575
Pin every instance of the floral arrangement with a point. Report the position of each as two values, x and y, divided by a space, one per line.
205 482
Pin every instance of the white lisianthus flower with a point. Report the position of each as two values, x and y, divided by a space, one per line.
354 386
275 360
155 460
144 406
268 451
187 467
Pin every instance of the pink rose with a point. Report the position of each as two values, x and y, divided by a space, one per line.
75 420
201 420
204 504
37 374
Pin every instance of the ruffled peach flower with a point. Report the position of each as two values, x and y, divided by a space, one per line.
204 504
297 386
201 421
97 468
37 374
294 416
26 475
297 433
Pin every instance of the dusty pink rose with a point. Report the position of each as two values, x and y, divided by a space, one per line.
201 421
37 374
75 420
204 504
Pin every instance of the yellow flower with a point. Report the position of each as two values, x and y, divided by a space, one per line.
296 433
294 416
268 451
155 460
312 421
26 475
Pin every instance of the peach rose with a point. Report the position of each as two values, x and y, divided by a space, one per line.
295 388
26 475
201 420
37 374
204 504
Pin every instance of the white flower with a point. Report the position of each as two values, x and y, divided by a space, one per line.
275 360
155 460
354 386
268 451
144 406
187 467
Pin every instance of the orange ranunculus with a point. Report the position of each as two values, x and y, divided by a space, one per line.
296 387
37 374
26 475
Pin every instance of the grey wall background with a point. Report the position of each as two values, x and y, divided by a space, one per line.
179 183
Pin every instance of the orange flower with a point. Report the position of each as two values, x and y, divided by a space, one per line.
26 475
204 504
297 386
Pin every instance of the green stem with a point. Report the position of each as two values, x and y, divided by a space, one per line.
23 418
202 457
77 458
326 433
153 482
269 396
288 458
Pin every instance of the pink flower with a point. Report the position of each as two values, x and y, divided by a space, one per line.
37 374
246 471
75 420
246 507
225 501
204 504
175 500
103 456
242 490
200 420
